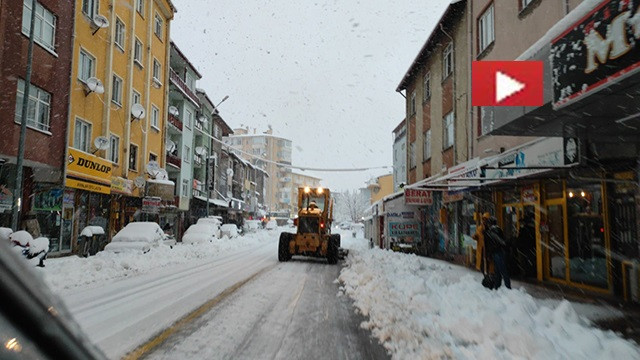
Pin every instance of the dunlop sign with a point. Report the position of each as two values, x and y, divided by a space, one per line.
418 197
88 172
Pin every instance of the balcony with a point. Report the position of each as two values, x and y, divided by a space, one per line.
197 161
174 160
175 122
180 84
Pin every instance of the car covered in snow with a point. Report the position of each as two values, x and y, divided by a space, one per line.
215 221
200 233
229 230
250 226
138 236
272 225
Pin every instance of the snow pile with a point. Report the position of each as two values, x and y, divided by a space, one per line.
422 308
229 230
71 272
5 233
89 231
136 236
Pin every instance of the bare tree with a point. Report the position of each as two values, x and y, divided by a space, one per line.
350 205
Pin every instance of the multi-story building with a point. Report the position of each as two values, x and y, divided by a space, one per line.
184 116
400 155
380 187
272 154
119 88
44 150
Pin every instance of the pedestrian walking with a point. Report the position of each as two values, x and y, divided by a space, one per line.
496 249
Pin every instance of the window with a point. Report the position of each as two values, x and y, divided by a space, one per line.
114 149
140 6
426 84
137 52
158 26
119 35
136 98
153 157
426 151
39 108
486 33
448 127
155 116
216 131
412 155
82 136
185 188
487 119
190 81
116 93
447 61
188 117
412 104
45 25
133 157
157 69
89 7
186 157
86 66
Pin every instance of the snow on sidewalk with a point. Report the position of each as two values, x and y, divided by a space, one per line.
73 271
421 308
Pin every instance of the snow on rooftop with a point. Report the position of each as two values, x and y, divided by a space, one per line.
161 181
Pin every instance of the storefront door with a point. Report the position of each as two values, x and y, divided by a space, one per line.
554 240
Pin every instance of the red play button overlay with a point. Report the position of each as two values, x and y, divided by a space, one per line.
507 83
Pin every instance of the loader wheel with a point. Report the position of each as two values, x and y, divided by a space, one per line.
332 250
283 247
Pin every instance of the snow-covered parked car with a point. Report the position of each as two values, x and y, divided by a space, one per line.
215 221
229 230
250 226
271 225
35 250
200 233
138 236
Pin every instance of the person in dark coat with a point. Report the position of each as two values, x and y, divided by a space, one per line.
526 246
497 250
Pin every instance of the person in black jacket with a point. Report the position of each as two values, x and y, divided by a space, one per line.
496 249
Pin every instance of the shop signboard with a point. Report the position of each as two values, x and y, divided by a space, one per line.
121 186
48 200
6 199
452 196
408 231
595 51
88 172
151 205
536 158
418 197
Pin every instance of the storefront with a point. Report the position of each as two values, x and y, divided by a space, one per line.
86 197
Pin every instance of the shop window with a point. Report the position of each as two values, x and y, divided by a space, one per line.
587 259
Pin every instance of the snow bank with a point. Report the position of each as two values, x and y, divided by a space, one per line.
72 272
421 308
38 245
230 230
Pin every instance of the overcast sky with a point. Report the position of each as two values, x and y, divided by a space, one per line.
321 73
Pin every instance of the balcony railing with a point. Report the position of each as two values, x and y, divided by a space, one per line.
175 78
174 160
175 122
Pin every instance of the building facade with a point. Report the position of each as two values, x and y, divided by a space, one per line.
45 141
118 101
380 187
400 155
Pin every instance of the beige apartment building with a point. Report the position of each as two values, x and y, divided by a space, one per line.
299 180
266 151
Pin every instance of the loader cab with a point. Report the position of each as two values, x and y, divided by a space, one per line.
314 210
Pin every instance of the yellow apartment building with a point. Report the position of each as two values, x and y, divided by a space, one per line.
380 187
119 96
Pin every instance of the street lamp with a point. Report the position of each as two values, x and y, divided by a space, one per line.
215 108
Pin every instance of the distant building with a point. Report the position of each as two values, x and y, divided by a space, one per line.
380 187
400 155
301 180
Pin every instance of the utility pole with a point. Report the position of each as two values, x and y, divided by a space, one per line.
17 195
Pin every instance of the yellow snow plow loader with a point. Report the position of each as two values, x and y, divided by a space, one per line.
313 237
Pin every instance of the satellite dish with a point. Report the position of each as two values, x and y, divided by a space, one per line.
229 172
174 110
201 151
138 112
101 143
139 182
162 175
171 146
100 22
153 168
94 85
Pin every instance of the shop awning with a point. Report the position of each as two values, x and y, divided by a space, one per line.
216 202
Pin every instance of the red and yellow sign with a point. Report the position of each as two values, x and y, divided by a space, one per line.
88 172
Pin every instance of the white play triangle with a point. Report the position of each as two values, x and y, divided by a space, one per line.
506 86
